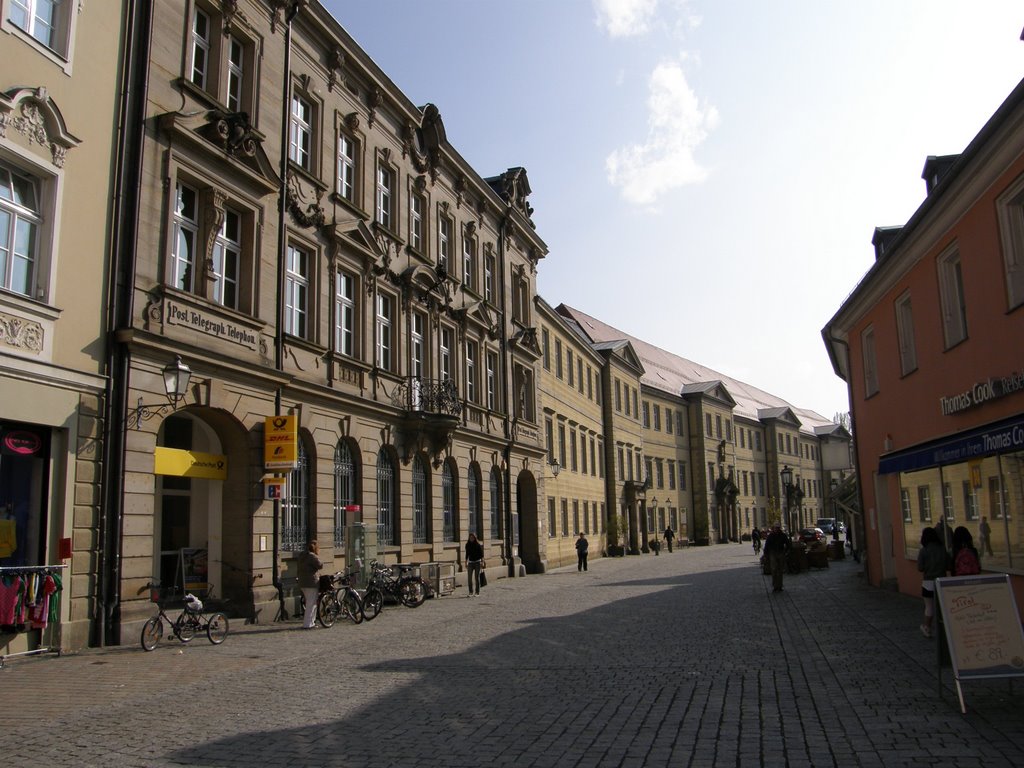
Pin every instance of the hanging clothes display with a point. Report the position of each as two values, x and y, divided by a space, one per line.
29 600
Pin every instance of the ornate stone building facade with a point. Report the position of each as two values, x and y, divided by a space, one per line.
310 245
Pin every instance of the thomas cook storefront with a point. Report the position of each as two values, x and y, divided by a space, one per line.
975 479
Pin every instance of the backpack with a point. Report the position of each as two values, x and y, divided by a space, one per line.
966 563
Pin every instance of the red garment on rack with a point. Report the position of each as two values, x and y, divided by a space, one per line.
12 607
38 613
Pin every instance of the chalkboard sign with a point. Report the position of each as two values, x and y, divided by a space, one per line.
982 627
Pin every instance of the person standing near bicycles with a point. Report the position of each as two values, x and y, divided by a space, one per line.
309 566
474 561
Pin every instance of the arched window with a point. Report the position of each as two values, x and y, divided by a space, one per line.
473 501
344 489
385 499
420 502
295 507
451 503
495 503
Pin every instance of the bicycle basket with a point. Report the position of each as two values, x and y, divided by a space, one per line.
193 604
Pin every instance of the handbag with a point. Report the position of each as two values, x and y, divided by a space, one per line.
483 579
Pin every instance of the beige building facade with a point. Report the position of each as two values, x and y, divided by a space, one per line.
386 306
59 110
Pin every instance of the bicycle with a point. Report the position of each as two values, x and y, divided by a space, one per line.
338 598
410 591
191 621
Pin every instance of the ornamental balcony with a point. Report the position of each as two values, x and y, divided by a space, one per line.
431 412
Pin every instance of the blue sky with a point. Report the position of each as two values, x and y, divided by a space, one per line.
707 175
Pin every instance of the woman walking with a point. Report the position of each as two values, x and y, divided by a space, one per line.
474 561
931 562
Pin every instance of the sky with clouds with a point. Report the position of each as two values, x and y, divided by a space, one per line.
707 174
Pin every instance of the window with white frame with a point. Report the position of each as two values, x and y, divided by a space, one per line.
417 345
905 333
300 135
235 74
869 360
444 242
489 267
385 207
226 259
1010 207
346 181
185 239
471 371
47 21
345 314
908 513
200 45
924 502
385 331
970 500
469 262
951 295
20 231
491 366
445 361
417 210
296 291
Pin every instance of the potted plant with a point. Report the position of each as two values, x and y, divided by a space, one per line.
617 531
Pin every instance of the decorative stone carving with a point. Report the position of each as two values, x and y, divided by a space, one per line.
214 204
32 113
306 214
373 100
21 333
232 131
335 67
514 188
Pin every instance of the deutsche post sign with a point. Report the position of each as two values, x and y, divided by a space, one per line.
281 442
178 463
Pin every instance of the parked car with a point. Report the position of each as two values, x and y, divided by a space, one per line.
827 525
811 535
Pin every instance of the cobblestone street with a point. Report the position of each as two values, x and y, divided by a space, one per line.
686 659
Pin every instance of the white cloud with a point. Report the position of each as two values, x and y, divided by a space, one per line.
676 125
625 18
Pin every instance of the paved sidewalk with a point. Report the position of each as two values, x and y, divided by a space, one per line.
686 659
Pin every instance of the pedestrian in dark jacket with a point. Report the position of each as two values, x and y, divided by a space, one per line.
932 563
309 565
776 549
474 561
582 545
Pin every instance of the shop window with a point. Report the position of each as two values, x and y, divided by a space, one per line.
295 506
386 498
24 463
495 497
473 507
344 490
420 501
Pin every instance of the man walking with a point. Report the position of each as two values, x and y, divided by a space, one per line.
776 548
985 537
669 536
582 545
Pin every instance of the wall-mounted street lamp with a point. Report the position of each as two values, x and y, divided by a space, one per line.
555 467
176 378
787 493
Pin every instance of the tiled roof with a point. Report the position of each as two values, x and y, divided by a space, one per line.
674 374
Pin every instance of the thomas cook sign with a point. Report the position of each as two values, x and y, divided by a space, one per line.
281 442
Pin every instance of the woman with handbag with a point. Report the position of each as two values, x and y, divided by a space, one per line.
474 561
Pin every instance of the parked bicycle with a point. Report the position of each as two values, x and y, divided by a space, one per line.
405 588
338 598
191 621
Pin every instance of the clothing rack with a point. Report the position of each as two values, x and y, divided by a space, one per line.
47 569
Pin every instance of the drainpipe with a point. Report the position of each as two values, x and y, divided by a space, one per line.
509 421
282 250
120 292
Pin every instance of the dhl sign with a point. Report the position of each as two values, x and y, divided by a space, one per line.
281 442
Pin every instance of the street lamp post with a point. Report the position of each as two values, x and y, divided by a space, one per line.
787 492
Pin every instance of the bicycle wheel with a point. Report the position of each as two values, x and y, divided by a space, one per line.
217 628
152 631
186 627
412 592
352 607
327 609
373 601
